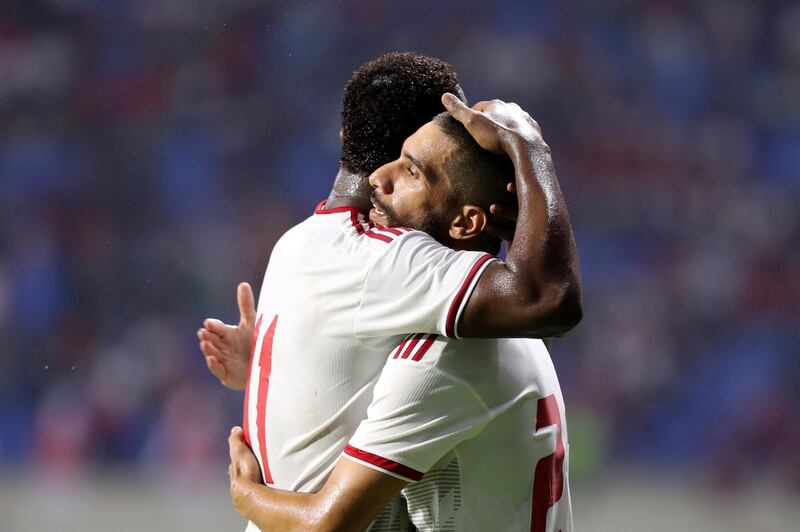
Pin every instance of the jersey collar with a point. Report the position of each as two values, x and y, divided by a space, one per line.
320 209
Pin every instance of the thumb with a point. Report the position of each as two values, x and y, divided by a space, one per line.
247 305
456 107
453 104
235 441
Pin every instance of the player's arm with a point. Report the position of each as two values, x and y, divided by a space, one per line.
227 348
350 499
537 290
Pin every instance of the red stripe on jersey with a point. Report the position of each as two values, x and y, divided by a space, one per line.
372 234
320 209
410 347
265 363
400 347
392 230
424 348
354 214
384 463
356 223
450 325
246 416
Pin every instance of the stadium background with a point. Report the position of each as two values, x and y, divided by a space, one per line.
151 153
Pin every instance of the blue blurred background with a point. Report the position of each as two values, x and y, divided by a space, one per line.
152 152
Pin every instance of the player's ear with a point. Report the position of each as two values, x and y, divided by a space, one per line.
341 136
469 222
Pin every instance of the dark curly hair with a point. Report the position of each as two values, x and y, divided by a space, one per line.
387 100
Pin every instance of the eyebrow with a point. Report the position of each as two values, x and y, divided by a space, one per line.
415 161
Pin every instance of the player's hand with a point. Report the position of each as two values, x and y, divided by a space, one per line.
243 470
497 126
502 222
227 348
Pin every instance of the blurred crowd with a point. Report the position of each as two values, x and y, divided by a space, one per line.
152 152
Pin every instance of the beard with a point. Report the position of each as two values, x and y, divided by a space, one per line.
434 222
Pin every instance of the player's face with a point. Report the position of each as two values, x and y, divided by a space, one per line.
413 191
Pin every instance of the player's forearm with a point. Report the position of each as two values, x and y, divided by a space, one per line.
272 509
542 260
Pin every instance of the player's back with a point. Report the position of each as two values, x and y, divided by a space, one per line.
338 295
479 425
311 379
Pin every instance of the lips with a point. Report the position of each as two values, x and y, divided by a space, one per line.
379 210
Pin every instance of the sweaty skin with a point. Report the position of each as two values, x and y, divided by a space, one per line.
354 494
350 499
536 292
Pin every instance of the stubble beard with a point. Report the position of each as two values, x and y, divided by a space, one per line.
434 223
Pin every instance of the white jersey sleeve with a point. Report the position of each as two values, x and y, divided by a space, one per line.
417 284
418 414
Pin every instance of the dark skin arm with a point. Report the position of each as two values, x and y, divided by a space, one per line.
536 292
350 499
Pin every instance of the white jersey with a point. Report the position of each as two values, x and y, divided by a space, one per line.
338 295
478 427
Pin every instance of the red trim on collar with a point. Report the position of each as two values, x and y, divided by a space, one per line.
320 209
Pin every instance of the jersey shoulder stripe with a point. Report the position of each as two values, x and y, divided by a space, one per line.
397 231
424 347
360 222
414 347
373 233
358 218
410 346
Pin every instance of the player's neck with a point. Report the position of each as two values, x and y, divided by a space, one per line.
350 190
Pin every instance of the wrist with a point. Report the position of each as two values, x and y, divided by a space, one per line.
519 146
241 494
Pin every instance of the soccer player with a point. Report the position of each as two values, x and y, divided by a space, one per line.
340 293
481 419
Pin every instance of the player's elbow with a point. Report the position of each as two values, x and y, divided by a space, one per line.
567 313
557 311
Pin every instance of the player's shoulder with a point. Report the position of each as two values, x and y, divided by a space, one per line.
403 245
419 348
355 223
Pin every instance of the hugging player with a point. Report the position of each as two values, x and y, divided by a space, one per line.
339 295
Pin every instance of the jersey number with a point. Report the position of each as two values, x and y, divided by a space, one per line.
548 478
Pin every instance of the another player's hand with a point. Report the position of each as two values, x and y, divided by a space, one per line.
497 126
227 348
503 216
244 469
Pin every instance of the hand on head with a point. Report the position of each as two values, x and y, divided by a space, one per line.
495 124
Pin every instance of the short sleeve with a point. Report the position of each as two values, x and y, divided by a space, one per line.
418 414
417 285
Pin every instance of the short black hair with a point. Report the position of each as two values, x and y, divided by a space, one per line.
386 101
477 177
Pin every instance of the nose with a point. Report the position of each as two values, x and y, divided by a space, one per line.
381 180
